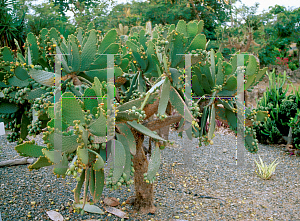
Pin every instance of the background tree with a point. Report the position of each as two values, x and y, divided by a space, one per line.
47 15
12 14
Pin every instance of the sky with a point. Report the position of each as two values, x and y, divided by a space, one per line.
264 4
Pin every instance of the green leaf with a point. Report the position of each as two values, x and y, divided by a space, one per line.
14 81
220 75
252 66
7 54
62 167
76 58
109 38
78 187
119 158
154 163
178 50
163 101
144 130
213 65
212 122
99 163
24 123
90 101
179 104
32 40
89 51
129 136
99 185
200 26
175 74
127 167
197 88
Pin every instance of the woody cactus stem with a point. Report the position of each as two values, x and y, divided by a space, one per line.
144 196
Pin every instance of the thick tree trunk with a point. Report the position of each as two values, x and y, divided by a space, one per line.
144 193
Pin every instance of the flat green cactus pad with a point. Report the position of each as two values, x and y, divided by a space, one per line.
129 136
127 167
55 156
42 77
28 149
98 127
154 163
144 130
8 108
69 143
41 162
71 109
62 167
83 155
119 159
164 98
99 185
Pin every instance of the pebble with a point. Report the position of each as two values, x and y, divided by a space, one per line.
208 173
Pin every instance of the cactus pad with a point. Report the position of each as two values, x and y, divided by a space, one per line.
41 162
154 163
28 149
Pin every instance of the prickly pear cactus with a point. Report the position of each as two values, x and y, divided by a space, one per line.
27 81
149 88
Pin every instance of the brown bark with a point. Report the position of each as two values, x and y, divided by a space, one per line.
151 109
241 46
246 98
144 193
157 124
194 9
21 161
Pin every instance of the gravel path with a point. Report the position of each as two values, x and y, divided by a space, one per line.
182 191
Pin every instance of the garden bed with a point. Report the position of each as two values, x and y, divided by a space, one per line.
181 190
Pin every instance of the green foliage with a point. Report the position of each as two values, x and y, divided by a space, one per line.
281 109
147 89
12 23
265 171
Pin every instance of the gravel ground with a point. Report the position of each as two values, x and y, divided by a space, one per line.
237 192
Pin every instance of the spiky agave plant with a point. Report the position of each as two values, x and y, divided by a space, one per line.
265 171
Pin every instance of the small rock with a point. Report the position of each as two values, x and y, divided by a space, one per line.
224 150
111 201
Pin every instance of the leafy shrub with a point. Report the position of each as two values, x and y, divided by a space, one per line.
281 109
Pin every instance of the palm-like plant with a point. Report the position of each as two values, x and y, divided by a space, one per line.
11 23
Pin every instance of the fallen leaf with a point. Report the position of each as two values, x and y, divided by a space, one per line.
111 201
55 216
90 208
116 212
